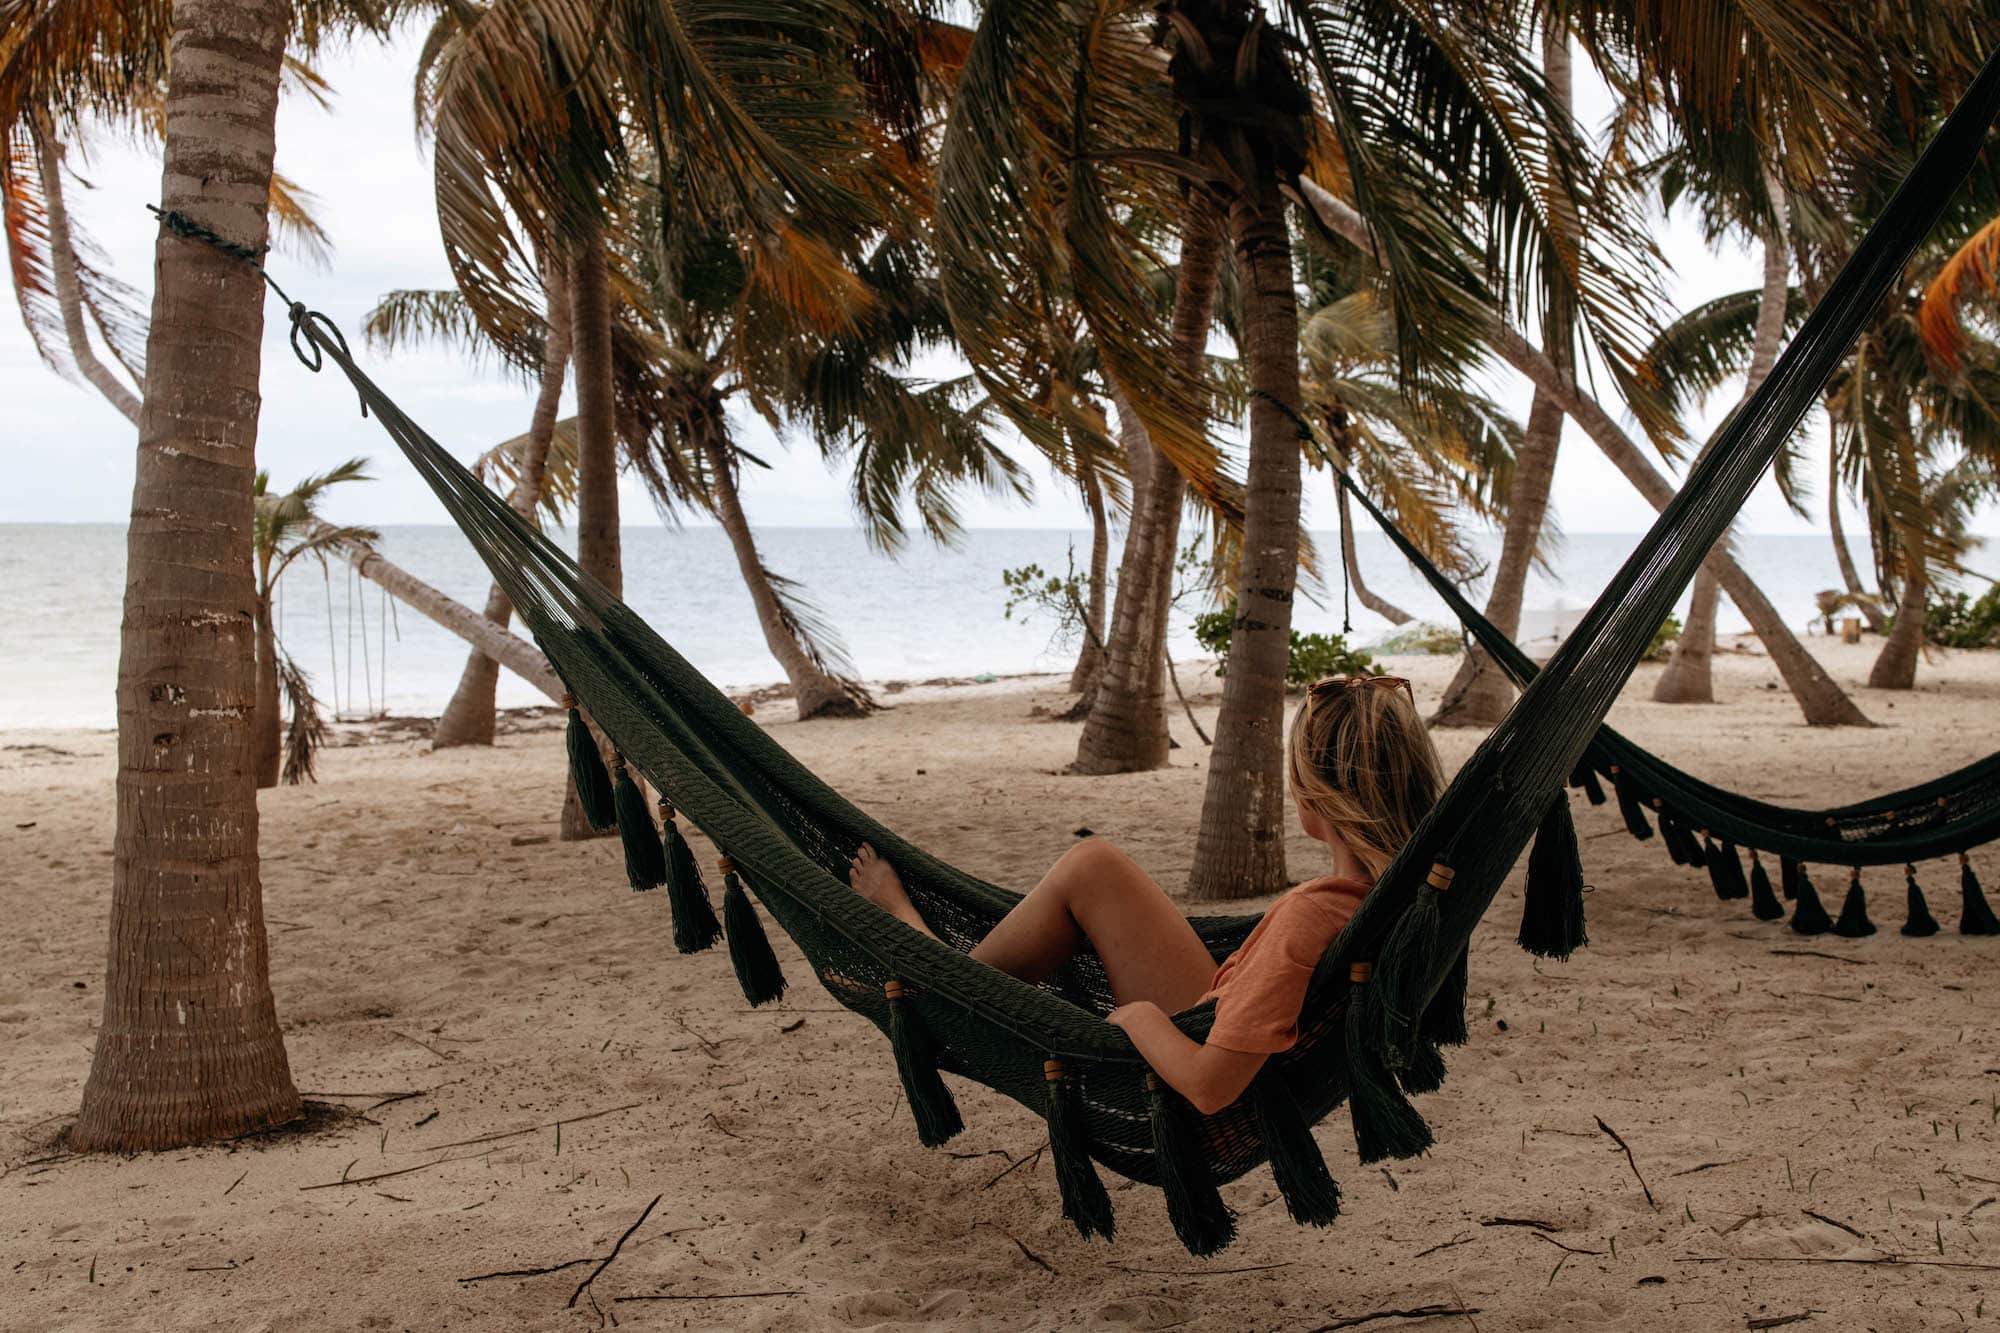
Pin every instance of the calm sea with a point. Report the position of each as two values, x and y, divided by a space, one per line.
929 613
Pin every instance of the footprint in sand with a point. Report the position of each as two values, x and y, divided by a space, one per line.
867 1309
1138 1312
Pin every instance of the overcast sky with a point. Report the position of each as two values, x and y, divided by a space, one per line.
73 455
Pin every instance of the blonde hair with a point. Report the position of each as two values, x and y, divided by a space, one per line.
1360 757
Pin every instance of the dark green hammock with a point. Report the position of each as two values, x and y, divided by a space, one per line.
1703 826
1385 996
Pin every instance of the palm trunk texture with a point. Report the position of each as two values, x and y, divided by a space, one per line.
597 546
189 1048
1240 846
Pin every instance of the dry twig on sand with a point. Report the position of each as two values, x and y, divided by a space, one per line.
598 1271
1632 1161
1415 1312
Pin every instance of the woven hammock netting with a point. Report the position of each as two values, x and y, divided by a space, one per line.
1388 991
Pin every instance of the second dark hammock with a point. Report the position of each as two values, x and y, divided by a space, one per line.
1704 826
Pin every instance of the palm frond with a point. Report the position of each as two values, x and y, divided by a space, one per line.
1972 270
307 731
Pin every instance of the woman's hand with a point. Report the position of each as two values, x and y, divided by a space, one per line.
1211 1077
1139 1012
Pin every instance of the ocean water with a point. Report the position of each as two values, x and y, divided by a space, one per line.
930 612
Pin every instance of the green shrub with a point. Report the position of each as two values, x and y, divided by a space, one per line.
1422 637
1312 656
1663 639
1953 620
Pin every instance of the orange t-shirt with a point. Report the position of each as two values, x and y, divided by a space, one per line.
1260 989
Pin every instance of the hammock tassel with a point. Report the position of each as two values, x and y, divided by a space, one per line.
1764 904
1790 872
757 970
1628 806
695 926
1585 776
1385 1124
1552 906
1808 914
1311 1194
1670 834
1398 998
1918 921
1854 923
645 858
1422 1071
1201 1219
930 1100
1725 870
1084 1201
1444 1018
586 770
1976 916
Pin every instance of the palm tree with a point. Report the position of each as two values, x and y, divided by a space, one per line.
1746 195
1044 84
763 333
65 292
283 528
1480 693
189 1047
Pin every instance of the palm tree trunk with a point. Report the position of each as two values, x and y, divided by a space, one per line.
1849 575
1126 731
816 692
468 719
1822 701
265 727
1690 677
597 538
189 1047
1481 693
1896 665
62 267
1240 848
1090 661
1381 606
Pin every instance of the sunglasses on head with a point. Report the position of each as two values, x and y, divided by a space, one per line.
1339 685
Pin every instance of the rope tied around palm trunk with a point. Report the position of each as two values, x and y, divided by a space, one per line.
305 320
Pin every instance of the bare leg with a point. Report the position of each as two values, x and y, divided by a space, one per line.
1096 895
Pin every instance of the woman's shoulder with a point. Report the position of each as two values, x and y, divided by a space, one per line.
1326 887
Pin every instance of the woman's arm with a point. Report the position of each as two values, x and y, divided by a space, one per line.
1210 1077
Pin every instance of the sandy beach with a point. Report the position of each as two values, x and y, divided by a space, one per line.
523 1063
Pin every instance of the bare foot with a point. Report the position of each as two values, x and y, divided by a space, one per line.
876 880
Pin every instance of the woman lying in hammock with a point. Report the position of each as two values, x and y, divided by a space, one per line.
1363 773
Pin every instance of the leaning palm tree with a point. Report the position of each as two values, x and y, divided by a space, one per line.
284 527
763 335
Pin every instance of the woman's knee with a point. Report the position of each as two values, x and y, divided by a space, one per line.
1095 856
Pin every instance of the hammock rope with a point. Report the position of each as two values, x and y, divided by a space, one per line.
788 836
